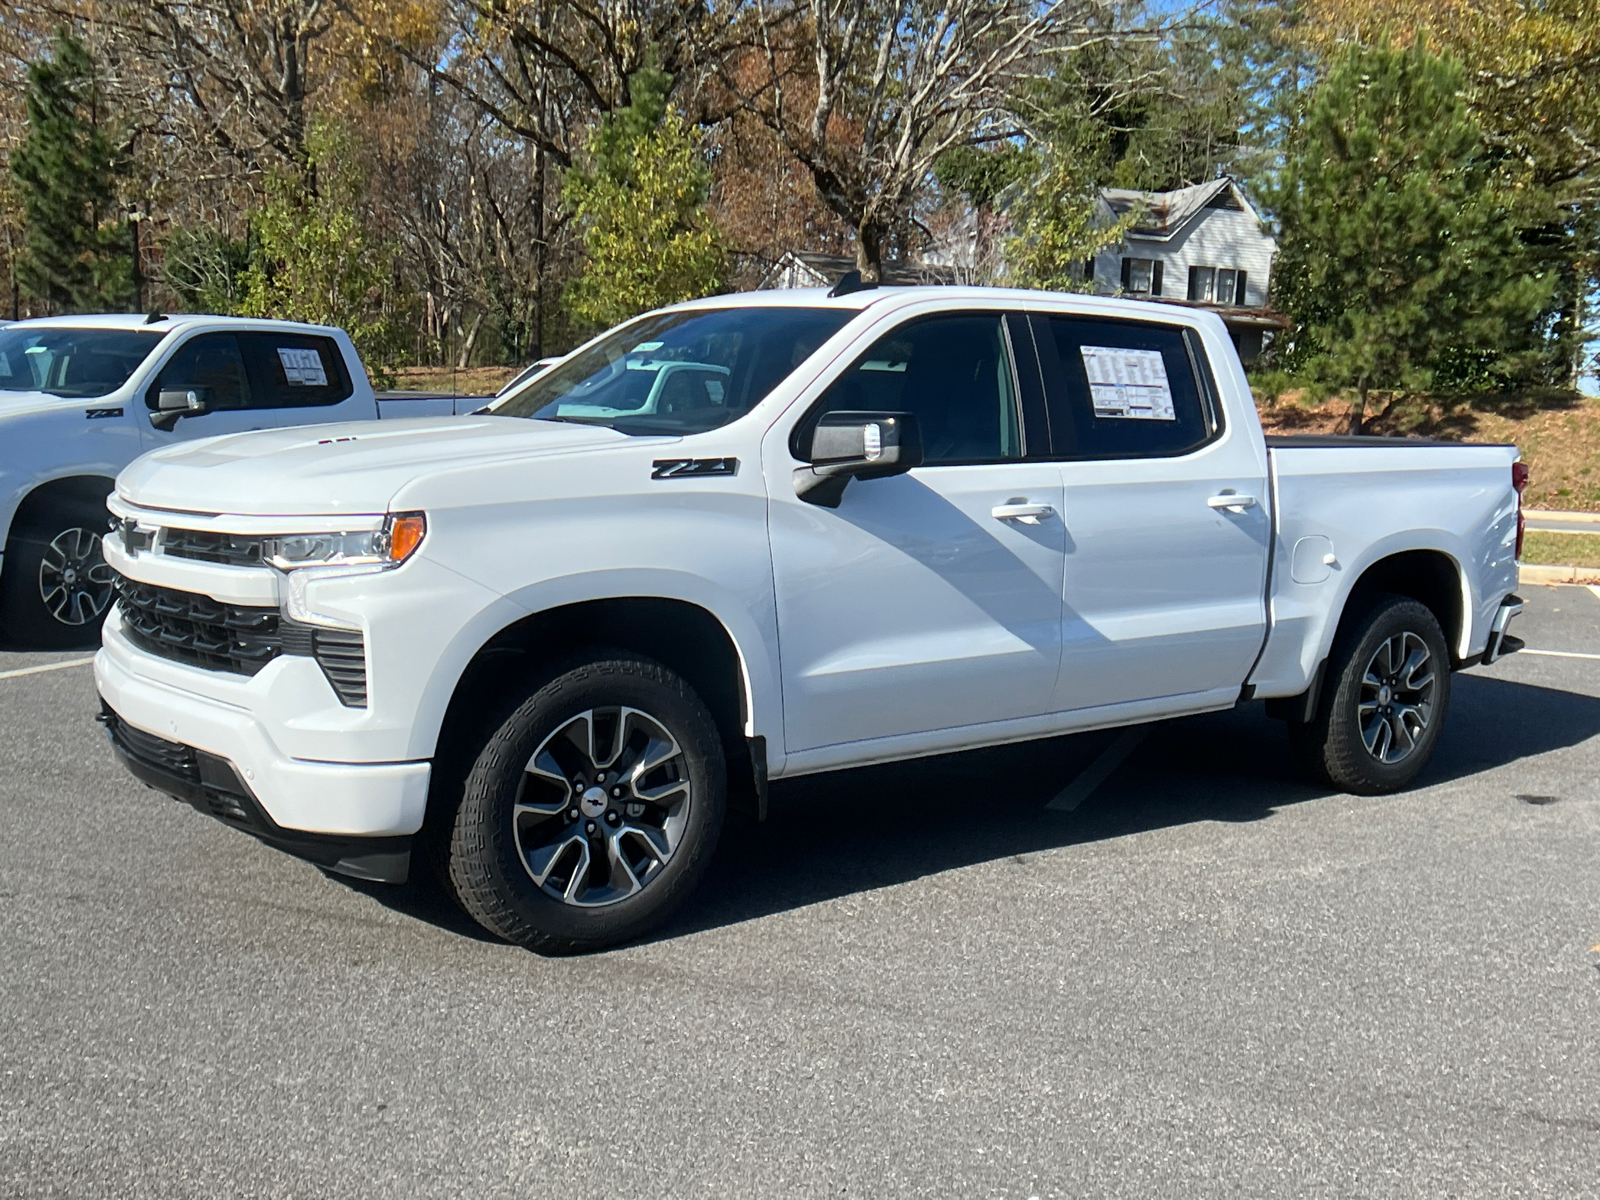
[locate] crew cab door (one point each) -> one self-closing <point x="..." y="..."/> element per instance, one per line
<point x="1165" y="578"/>
<point x="918" y="604"/>
<point x="257" y="379"/>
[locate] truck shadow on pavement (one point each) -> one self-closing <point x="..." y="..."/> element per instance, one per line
<point x="832" y="835"/>
<point x="844" y="832"/>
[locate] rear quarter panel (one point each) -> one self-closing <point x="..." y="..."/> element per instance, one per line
<point x="1370" y="503"/>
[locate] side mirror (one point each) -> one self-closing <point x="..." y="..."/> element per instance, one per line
<point x="180" y="402"/>
<point x="857" y="445"/>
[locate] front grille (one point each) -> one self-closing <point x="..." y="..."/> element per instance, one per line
<point x="197" y="630"/>
<point x="170" y="757"/>
<point x="201" y="632"/>
<point x="229" y="549"/>
<point x="206" y="781"/>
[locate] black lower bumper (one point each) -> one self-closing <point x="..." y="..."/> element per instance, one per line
<point x="212" y="785"/>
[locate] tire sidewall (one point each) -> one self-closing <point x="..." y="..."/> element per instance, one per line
<point x="1349" y="763"/>
<point x="24" y="619"/>
<point x="483" y="845"/>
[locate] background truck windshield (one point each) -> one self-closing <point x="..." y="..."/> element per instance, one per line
<point x="677" y="372"/>
<point x="73" y="363"/>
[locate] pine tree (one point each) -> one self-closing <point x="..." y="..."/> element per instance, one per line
<point x="76" y="255"/>
<point x="641" y="207"/>
<point x="1399" y="249"/>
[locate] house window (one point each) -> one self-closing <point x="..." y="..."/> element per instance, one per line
<point x="1217" y="285"/>
<point x="1141" y="276"/>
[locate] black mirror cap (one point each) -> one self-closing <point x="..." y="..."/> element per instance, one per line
<point x="870" y="442"/>
<point x="857" y="445"/>
<point x="173" y="403"/>
<point x="184" y="401"/>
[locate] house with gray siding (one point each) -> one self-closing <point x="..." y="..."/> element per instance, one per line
<point x="1203" y="245"/>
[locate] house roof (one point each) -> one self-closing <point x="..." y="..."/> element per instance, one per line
<point x="1161" y="215"/>
<point x="826" y="269"/>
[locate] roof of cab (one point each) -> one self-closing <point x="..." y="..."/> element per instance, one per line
<point x="954" y="296"/>
<point x="163" y="324"/>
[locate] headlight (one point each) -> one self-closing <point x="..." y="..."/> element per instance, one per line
<point x="390" y="546"/>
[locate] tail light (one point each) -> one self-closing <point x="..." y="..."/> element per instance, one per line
<point x="1519" y="481"/>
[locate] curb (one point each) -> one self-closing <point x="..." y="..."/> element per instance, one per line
<point x="1551" y="514"/>
<point x="1542" y="574"/>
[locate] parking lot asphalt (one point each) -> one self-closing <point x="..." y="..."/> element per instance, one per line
<point x="1209" y="979"/>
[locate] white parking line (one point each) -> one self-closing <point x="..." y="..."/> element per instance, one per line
<point x="1558" y="653"/>
<point x="56" y="666"/>
<point x="1097" y="772"/>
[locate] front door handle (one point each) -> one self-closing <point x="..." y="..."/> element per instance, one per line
<point x="1232" y="501"/>
<point x="1028" y="514"/>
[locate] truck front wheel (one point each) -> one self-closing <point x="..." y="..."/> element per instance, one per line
<point x="1385" y="701"/>
<point x="593" y="810"/>
<point x="55" y="586"/>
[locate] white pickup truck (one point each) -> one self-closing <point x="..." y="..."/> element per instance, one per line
<point x="82" y="397"/>
<point x="764" y="535"/>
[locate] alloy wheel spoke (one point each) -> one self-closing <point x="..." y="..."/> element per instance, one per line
<point x="543" y="860"/>
<point x="539" y="808"/>
<point x="622" y="875"/>
<point x="1400" y="737"/>
<point x="657" y="844"/>
<point x="658" y="795"/>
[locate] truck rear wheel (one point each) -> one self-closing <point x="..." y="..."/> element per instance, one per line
<point x="1385" y="702"/>
<point x="593" y="810"/>
<point x="55" y="585"/>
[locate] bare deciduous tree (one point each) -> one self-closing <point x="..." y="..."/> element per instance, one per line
<point x="867" y="95"/>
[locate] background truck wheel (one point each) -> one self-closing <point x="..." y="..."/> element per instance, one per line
<point x="1385" y="700"/>
<point x="55" y="587"/>
<point x="593" y="810"/>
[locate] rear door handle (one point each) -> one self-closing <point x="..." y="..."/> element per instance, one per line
<point x="1028" y="514"/>
<point x="1232" y="502"/>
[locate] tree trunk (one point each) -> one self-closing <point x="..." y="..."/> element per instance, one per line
<point x="1359" y="412"/>
<point x="472" y="336"/>
<point x="869" y="253"/>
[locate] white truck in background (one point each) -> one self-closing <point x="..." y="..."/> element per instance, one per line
<point x="765" y="535"/>
<point x="81" y="397"/>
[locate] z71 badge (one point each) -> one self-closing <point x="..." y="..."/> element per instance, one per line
<point x="692" y="468"/>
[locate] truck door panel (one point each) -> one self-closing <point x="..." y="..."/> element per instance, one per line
<point x="913" y="606"/>
<point x="1165" y="580"/>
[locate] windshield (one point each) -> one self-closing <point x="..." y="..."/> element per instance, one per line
<point x="677" y="372"/>
<point x="74" y="363"/>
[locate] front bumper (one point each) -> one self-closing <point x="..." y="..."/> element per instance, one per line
<point x="362" y="800"/>
<point x="213" y="786"/>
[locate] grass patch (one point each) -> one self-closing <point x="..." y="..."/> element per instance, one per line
<point x="474" y="381"/>
<point x="1561" y="549"/>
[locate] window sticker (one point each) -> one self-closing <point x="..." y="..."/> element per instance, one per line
<point x="1128" y="384"/>
<point x="302" y="368"/>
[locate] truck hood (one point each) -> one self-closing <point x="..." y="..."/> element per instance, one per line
<point x="17" y="404"/>
<point x="355" y="467"/>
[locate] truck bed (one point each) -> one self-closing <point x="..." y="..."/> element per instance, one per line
<point x="1341" y="503"/>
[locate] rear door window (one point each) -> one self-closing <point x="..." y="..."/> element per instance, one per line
<point x="293" y="370"/>
<point x="1124" y="389"/>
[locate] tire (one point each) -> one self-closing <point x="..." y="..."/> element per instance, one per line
<point x="649" y="795"/>
<point x="55" y="586"/>
<point x="1385" y="702"/>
